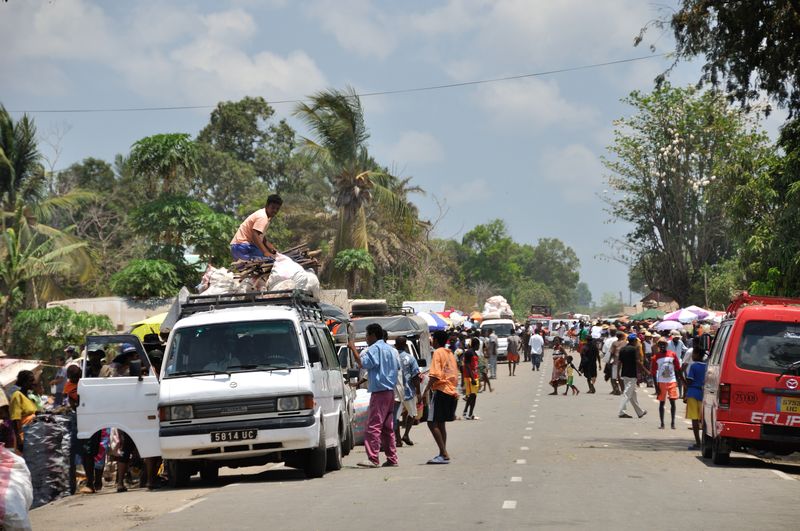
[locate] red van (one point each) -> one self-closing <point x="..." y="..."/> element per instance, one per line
<point x="751" y="398"/>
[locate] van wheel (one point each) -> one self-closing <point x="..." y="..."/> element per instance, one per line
<point x="705" y="442"/>
<point x="334" y="457"/>
<point x="316" y="458"/>
<point x="718" y="455"/>
<point x="209" y="472"/>
<point x="350" y="441"/>
<point x="346" y="441"/>
<point x="179" y="473"/>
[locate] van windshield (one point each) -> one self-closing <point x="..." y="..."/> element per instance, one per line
<point x="233" y="347"/>
<point x="769" y="346"/>
<point x="501" y="329"/>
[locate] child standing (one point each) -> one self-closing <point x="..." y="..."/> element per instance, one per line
<point x="570" y="377"/>
<point x="696" y="378"/>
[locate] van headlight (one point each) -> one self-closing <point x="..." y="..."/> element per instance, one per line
<point x="182" y="412"/>
<point x="289" y="403"/>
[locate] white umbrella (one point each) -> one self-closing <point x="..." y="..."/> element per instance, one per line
<point x="701" y="313"/>
<point x="684" y="316"/>
<point x="668" y="325"/>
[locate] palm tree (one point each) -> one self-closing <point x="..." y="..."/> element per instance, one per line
<point x="25" y="256"/>
<point x="20" y="166"/>
<point x="336" y="119"/>
<point x="353" y="262"/>
<point x="167" y="159"/>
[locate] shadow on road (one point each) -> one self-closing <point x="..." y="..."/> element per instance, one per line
<point x="637" y="444"/>
<point x="748" y="461"/>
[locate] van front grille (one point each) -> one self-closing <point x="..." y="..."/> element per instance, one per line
<point x="231" y="408"/>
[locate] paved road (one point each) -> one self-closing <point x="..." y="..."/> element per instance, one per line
<point x="531" y="460"/>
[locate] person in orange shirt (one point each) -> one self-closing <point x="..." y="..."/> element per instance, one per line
<point x="442" y="403"/>
<point x="249" y="242"/>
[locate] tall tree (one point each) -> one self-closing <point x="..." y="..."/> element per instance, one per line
<point x="21" y="171"/>
<point x="336" y="120"/>
<point x="676" y="162"/>
<point x="167" y="162"/>
<point x="752" y="46"/>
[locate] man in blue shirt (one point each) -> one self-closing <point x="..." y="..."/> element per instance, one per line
<point x="382" y="367"/>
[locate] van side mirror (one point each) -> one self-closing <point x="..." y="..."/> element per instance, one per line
<point x="422" y="363"/>
<point x="314" y="355"/>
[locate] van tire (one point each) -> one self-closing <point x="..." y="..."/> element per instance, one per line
<point x="705" y="442"/>
<point x="718" y="455"/>
<point x="334" y="457"/>
<point x="349" y="440"/>
<point x="209" y="472"/>
<point x="316" y="458"/>
<point x="179" y="473"/>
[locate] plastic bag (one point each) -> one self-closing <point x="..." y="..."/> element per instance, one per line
<point x="47" y="450"/>
<point x="284" y="269"/>
<point x="16" y="491"/>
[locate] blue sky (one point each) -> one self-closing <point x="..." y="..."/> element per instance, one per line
<point x="527" y="151"/>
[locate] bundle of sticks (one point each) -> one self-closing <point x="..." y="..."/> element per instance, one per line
<point x="261" y="269"/>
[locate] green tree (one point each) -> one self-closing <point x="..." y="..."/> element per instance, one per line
<point x="487" y="256"/>
<point x="676" y="162"/>
<point x="583" y="296"/>
<point x="336" y="119"/>
<point x="146" y="278"/>
<point x="555" y="265"/>
<point x="167" y="162"/>
<point x="21" y="171"/>
<point x="610" y="304"/>
<point x="44" y="332"/>
<point x="528" y="292"/>
<point x="750" y="45"/>
<point x="354" y="262"/>
<point x="89" y="174"/>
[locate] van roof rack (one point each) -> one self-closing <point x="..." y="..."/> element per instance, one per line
<point x="745" y="299"/>
<point x="302" y="301"/>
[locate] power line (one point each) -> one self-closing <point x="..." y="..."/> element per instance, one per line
<point x="364" y="94"/>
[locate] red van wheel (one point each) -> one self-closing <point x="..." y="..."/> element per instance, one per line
<point x="720" y="454"/>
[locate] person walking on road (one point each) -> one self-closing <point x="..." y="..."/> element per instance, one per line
<point x="491" y="353"/>
<point x="666" y="370"/>
<point x="537" y="349"/>
<point x="559" y="376"/>
<point x="616" y="388"/>
<point x="443" y="395"/>
<point x="471" y="378"/>
<point x="512" y="353"/>
<point x="382" y="367"/>
<point x="411" y="390"/>
<point x="629" y="362"/>
<point x="590" y="363"/>
<point x="571" y="377"/>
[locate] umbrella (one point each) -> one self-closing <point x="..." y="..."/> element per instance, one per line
<point x="668" y="325"/>
<point x="435" y="322"/>
<point x="457" y="318"/>
<point x="647" y="314"/>
<point x="683" y="315"/>
<point x="698" y="311"/>
<point x="151" y="325"/>
<point x="476" y="316"/>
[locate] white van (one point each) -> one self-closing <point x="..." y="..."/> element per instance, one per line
<point x="246" y="379"/>
<point x="502" y="328"/>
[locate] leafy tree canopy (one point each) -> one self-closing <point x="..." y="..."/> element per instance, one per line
<point x="45" y="332"/>
<point x="146" y="278"/>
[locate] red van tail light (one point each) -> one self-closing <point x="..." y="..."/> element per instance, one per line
<point x="724" y="395"/>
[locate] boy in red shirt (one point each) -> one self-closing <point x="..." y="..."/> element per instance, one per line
<point x="665" y="369"/>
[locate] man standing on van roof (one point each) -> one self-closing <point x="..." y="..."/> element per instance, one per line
<point x="382" y="366"/>
<point x="249" y="242"/>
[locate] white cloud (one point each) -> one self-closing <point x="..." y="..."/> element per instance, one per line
<point x="574" y="171"/>
<point x="466" y="192"/>
<point x="535" y="103"/>
<point x="416" y="147"/>
<point x="357" y="25"/>
<point x="166" y="54"/>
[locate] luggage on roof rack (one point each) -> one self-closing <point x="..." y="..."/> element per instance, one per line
<point x="302" y="301"/>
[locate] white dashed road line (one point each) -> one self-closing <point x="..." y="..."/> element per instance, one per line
<point x="524" y="448"/>
<point x="516" y="479"/>
<point x="522" y="461"/>
<point x="526" y="437"/>
<point x="187" y="505"/>
<point x="510" y="504"/>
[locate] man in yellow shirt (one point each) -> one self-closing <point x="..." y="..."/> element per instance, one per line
<point x="249" y="241"/>
<point x="443" y="381"/>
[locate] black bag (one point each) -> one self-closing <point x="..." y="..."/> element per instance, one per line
<point x="607" y="372"/>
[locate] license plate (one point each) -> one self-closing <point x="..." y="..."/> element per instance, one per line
<point x="788" y="405"/>
<point x="233" y="435"/>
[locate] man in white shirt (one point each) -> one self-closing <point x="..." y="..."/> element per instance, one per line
<point x="537" y="349"/>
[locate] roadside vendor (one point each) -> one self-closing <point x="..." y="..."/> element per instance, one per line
<point x="249" y="242"/>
